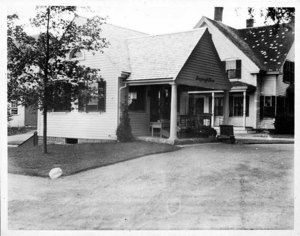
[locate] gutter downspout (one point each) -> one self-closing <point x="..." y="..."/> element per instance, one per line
<point x="119" y="105"/>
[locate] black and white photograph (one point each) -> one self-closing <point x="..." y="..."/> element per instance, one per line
<point x="148" y="116"/>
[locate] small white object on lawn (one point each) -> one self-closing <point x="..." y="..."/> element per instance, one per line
<point x="55" y="173"/>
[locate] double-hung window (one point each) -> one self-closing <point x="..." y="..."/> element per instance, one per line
<point x="137" y="98"/>
<point x="267" y="106"/>
<point x="236" y="105"/>
<point x="233" y="68"/>
<point x="13" y="108"/>
<point x="92" y="98"/>
<point x="218" y="106"/>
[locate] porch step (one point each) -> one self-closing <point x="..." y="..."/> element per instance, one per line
<point x="239" y="130"/>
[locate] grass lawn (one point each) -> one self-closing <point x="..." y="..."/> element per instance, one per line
<point x="78" y="157"/>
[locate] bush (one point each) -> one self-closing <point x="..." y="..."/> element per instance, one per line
<point x="206" y="131"/>
<point x="284" y="124"/>
<point x="124" y="129"/>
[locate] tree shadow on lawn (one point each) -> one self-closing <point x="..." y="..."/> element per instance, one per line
<point x="78" y="157"/>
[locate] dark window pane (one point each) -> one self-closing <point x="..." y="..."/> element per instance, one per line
<point x="136" y="98"/>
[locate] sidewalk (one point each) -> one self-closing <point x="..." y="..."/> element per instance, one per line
<point x="16" y="140"/>
<point x="264" y="138"/>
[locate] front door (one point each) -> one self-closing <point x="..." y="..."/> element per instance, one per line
<point x="199" y="105"/>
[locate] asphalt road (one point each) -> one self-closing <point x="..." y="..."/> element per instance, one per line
<point x="208" y="186"/>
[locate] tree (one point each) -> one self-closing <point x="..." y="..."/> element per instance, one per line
<point x="123" y="132"/>
<point x="39" y="66"/>
<point x="275" y="15"/>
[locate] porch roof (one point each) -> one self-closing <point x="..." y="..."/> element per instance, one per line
<point x="238" y="85"/>
<point x="161" y="56"/>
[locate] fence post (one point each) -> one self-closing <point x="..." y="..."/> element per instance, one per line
<point x="35" y="138"/>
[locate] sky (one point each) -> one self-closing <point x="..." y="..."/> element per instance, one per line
<point x="151" y="16"/>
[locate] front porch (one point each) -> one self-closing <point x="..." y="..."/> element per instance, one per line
<point x="175" y="111"/>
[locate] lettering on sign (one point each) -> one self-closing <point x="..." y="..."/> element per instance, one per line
<point x="205" y="80"/>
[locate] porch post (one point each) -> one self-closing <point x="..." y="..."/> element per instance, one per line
<point x="226" y="108"/>
<point x="173" y="123"/>
<point x="212" y="109"/>
<point x="244" y="109"/>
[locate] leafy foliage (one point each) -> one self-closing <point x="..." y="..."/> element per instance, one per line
<point x="276" y="15"/>
<point x="284" y="124"/>
<point x="39" y="64"/>
<point x="28" y="63"/>
<point x="124" y="129"/>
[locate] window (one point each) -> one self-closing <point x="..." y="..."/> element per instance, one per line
<point x="233" y="68"/>
<point x="92" y="99"/>
<point x="289" y="72"/>
<point x="76" y="54"/>
<point x="267" y="107"/>
<point x="13" y="108"/>
<point x="218" y="106"/>
<point x="236" y="103"/>
<point x="136" y="98"/>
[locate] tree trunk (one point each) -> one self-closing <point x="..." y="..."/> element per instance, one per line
<point x="45" y="100"/>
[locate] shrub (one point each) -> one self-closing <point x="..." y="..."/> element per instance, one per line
<point x="206" y="131"/>
<point x="284" y="124"/>
<point x="124" y="129"/>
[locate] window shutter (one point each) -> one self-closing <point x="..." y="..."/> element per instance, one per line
<point x="273" y="106"/>
<point x="102" y="96"/>
<point x="286" y="72"/>
<point x="292" y="72"/>
<point x="280" y="105"/>
<point x="238" y="69"/>
<point x="81" y="97"/>
<point x="261" y="112"/>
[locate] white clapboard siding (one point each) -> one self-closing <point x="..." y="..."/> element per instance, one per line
<point x="268" y="86"/>
<point x="92" y="125"/>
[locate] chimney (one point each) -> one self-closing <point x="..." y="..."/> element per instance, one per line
<point x="218" y="14"/>
<point x="249" y="23"/>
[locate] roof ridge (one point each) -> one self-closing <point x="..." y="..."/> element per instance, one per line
<point x="146" y="34"/>
<point x="164" y="34"/>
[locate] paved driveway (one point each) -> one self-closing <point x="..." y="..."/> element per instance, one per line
<point x="209" y="186"/>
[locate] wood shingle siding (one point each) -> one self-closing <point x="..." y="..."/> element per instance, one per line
<point x="204" y="63"/>
<point x="139" y="122"/>
<point x="269" y="85"/>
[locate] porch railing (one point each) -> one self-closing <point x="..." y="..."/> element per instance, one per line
<point x="194" y="121"/>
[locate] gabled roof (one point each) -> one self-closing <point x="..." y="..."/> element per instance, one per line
<point x="161" y="56"/>
<point x="271" y="44"/>
<point x="117" y="50"/>
<point x="266" y="46"/>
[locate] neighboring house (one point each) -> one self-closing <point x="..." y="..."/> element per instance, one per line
<point x="157" y="72"/>
<point x="259" y="61"/>
<point x="21" y="116"/>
